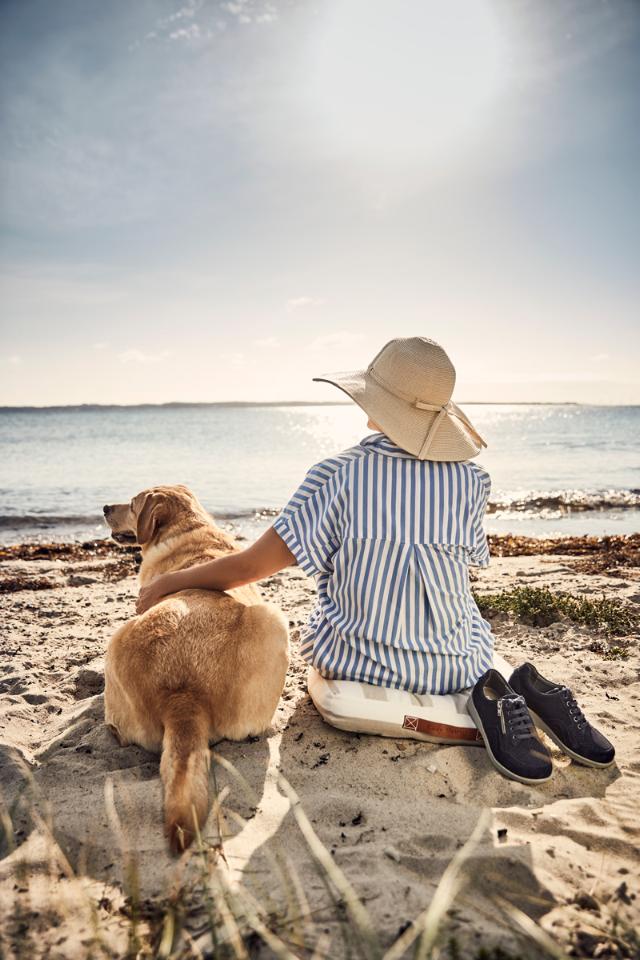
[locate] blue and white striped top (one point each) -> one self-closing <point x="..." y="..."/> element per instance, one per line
<point x="389" y="538"/>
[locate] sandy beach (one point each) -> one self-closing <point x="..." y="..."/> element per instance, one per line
<point x="362" y="279"/>
<point x="85" y="871"/>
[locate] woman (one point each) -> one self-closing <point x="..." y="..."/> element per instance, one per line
<point x="388" y="530"/>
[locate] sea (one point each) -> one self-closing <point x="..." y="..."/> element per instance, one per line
<point x="557" y="469"/>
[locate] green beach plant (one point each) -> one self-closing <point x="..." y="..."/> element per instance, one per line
<point x="540" y="606"/>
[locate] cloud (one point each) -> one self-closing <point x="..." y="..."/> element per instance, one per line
<point x="141" y="358"/>
<point x="101" y="345"/>
<point x="186" y="33"/>
<point x="14" y="360"/>
<point x="266" y="343"/>
<point x="185" y="12"/>
<point x="213" y="19"/>
<point x="299" y="303"/>
<point x="169" y="27"/>
<point x="339" y="340"/>
<point x="251" y="11"/>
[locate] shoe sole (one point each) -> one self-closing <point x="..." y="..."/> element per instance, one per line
<point x="570" y="753"/>
<point x="503" y="770"/>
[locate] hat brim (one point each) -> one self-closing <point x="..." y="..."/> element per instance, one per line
<point x="404" y="423"/>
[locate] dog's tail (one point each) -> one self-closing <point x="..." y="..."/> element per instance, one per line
<point x="184" y="768"/>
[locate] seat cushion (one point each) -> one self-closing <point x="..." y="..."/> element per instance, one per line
<point x="366" y="708"/>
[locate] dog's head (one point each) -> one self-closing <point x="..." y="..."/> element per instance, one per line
<point x="153" y="514"/>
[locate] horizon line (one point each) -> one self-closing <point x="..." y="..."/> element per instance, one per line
<point x="282" y="403"/>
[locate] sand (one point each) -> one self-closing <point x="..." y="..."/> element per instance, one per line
<point x="85" y="863"/>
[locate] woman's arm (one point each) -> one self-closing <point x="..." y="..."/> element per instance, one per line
<point x="266" y="556"/>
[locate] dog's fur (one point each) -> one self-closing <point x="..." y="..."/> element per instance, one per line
<point x="199" y="665"/>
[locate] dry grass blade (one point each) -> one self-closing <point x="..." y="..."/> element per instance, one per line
<point x="242" y="906"/>
<point x="130" y="864"/>
<point x="322" y="947"/>
<point x="206" y="873"/>
<point x="427" y="924"/>
<point x="218" y="797"/>
<point x="297" y="903"/>
<point x="358" y="913"/>
<point x="168" y="932"/>
<point x="28" y="790"/>
<point x="531" y="929"/>
<point x="57" y="861"/>
<point x="112" y="815"/>
<point x="7" y="829"/>
<point x="295" y="910"/>
<point x="192" y="945"/>
<point x="62" y="862"/>
<point x="233" y="932"/>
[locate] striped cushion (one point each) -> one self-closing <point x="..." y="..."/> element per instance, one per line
<point x="365" y="708"/>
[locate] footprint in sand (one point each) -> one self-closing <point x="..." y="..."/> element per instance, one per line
<point x="88" y="683"/>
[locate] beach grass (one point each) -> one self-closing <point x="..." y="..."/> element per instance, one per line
<point x="235" y="923"/>
<point x="540" y="607"/>
<point x="210" y="914"/>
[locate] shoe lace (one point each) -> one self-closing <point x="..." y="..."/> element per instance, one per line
<point x="517" y="717"/>
<point x="575" y="712"/>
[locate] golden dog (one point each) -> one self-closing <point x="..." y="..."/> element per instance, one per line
<point x="199" y="665"/>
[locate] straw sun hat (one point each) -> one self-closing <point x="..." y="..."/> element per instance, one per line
<point x="406" y="390"/>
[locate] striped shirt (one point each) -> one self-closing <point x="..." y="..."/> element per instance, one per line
<point x="389" y="539"/>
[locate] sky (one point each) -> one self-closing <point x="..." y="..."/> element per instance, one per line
<point x="215" y="201"/>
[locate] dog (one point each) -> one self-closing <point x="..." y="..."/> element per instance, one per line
<point x="200" y="665"/>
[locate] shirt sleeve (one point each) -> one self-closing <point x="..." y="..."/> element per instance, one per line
<point x="311" y="522"/>
<point x="479" y="554"/>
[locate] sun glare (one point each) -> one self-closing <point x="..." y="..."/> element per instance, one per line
<point x="405" y="82"/>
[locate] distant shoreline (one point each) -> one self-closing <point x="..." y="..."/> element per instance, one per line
<point x="179" y="404"/>
<point x="176" y="404"/>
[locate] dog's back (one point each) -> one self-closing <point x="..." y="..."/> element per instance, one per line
<point x="199" y="665"/>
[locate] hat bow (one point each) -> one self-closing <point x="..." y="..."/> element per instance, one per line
<point x="442" y="410"/>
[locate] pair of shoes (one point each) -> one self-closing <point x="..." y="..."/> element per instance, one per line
<point x="507" y="714"/>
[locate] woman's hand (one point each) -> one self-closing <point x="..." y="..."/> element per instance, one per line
<point x="153" y="592"/>
<point x="266" y="556"/>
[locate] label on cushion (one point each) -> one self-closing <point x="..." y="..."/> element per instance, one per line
<point x="444" y="730"/>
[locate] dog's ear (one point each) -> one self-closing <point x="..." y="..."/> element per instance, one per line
<point x="149" y="517"/>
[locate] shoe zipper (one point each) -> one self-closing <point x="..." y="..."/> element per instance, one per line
<point x="501" y="715"/>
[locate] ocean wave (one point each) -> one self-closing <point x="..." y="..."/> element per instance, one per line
<point x="262" y="513"/>
<point x="567" y="501"/>
<point x="41" y="521"/>
<point x="535" y="502"/>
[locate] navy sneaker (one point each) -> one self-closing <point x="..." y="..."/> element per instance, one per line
<point x="509" y="735"/>
<point x="555" y="710"/>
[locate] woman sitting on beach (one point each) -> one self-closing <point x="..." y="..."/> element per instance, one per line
<point x="388" y="529"/>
